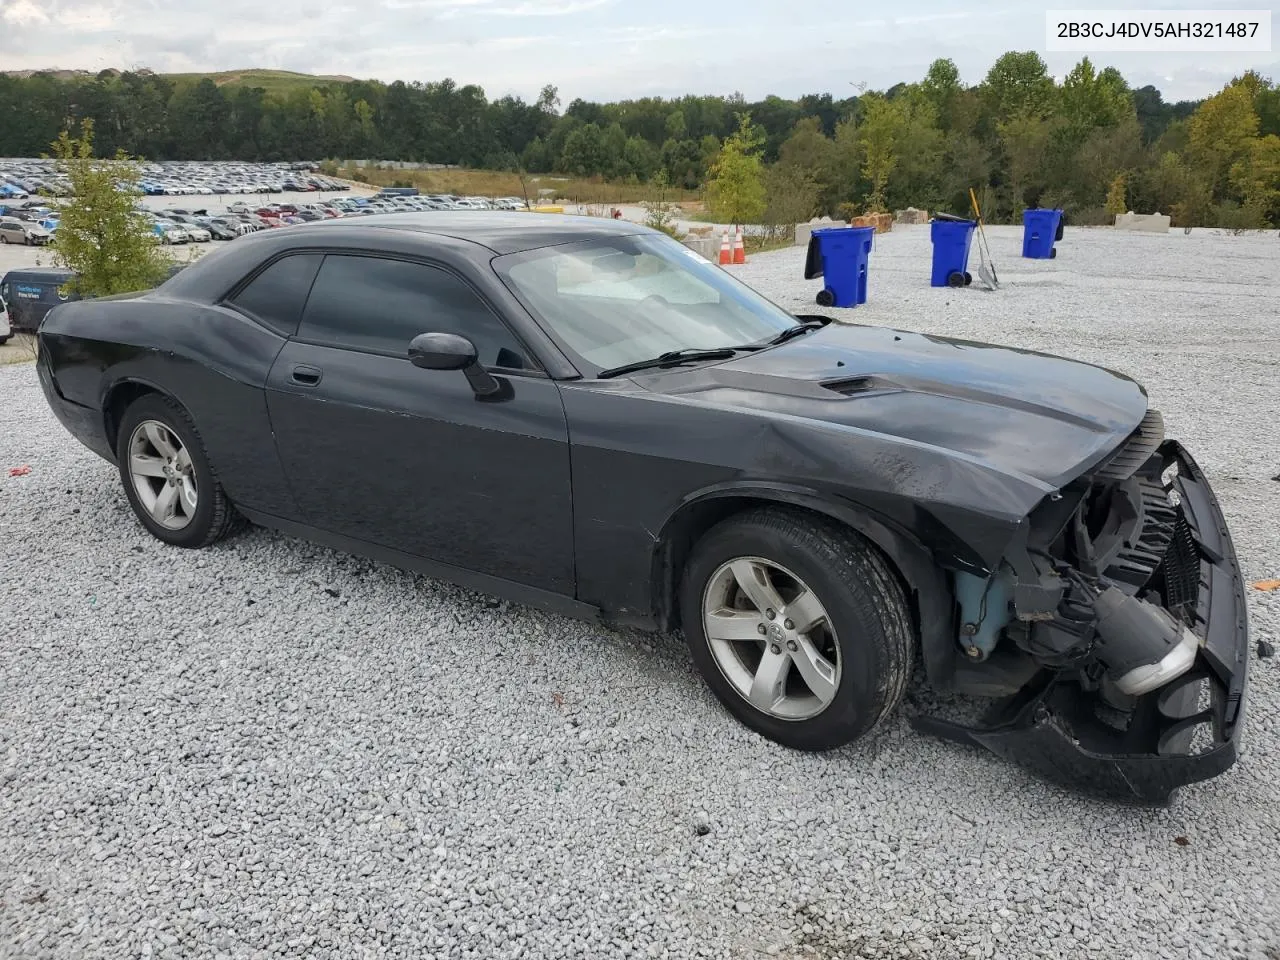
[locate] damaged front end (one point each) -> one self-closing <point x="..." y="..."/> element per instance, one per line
<point x="1117" y="624"/>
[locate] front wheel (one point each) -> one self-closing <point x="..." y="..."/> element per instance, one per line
<point x="798" y="625"/>
<point x="167" y="477"/>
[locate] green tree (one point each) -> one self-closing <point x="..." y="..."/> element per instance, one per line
<point x="878" y="136"/>
<point x="1256" y="178"/>
<point x="942" y="87"/>
<point x="584" y="151"/>
<point x="791" y="197"/>
<point x="1090" y="99"/>
<point x="735" y="192"/>
<point x="1220" y="133"/>
<point x="920" y="146"/>
<point x="660" y="212"/>
<point x="1115" y="204"/>
<point x="811" y="153"/>
<point x="1018" y="84"/>
<point x="102" y="237"/>
<point x="1024" y="140"/>
<point x="639" y="158"/>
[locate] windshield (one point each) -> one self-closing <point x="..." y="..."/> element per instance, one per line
<point x="619" y="300"/>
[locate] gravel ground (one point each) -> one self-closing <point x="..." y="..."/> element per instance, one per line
<point x="269" y="749"/>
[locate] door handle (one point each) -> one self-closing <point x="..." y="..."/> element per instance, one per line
<point x="307" y="376"/>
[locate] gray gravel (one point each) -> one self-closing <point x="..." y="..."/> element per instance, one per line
<point x="270" y="749"/>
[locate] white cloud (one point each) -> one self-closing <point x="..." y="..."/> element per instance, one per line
<point x="23" y="12"/>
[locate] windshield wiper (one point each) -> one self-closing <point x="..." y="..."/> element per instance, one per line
<point x="670" y="359"/>
<point x="799" y="329"/>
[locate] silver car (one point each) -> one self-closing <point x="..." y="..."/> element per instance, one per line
<point x="13" y="230"/>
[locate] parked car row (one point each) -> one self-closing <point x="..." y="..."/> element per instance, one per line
<point x="180" y="225"/>
<point x="23" y="177"/>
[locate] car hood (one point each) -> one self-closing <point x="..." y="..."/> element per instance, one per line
<point x="1022" y="413"/>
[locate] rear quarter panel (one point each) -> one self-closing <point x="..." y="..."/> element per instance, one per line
<point x="210" y="359"/>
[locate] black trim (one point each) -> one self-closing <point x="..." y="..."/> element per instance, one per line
<point x="468" y="579"/>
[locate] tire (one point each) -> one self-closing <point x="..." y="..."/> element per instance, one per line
<point x="4" y="339"/>
<point x="212" y="516"/>
<point x="4" y="238"/>
<point x="867" y="638"/>
<point x="826" y="297"/>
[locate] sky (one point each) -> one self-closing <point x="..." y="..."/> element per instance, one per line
<point x="594" y="49"/>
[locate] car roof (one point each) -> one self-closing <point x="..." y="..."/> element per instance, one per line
<point x="501" y="232"/>
<point x="410" y="234"/>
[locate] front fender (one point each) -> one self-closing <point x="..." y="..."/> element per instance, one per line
<point x="923" y="576"/>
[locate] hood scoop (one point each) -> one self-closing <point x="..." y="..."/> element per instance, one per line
<point x="850" y="386"/>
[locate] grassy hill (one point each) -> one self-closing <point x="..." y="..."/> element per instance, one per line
<point x="273" y="81"/>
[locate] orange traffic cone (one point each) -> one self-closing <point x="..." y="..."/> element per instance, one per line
<point x="726" y="256"/>
<point x="739" y="248"/>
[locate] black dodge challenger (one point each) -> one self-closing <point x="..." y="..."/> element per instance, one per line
<point x="587" y="416"/>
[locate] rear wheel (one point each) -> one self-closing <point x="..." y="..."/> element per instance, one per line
<point x="799" y="627"/>
<point x="955" y="279"/>
<point x="167" y="477"/>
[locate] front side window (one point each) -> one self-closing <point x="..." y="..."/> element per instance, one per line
<point x="379" y="305"/>
<point x="619" y="300"/>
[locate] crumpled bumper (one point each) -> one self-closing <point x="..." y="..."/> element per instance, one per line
<point x="1185" y="732"/>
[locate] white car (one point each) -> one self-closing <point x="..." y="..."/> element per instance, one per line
<point x="5" y="330"/>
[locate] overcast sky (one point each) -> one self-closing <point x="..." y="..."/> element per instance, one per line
<point x="596" y="49"/>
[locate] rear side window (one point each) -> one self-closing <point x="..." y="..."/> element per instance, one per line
<point x="276" y="296"/>
<point x="379" y="305"/>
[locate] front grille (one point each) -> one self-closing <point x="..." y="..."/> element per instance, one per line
<point x="1180" y="570"/>
<point x="1135" y="451"/>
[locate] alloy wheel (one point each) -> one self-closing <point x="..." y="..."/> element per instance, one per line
<point x="772" y="638"/>
<point x="162" y="474"/>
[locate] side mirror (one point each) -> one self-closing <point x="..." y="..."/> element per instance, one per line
<point x="441" y="351"/>
<point x="449" y="351"/>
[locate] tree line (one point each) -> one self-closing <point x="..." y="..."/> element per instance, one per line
<point x="1089" y="144"/>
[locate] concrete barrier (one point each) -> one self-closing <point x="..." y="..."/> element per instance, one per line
<point x="803" y="230"/>
<point x="1143" y="222"/>
<point x="709" y="247"/>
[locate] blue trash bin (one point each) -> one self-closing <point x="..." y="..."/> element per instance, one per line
<point x="1040" y="230"/>
<point x="839" y="255"/>
<point x="951" y="242"/>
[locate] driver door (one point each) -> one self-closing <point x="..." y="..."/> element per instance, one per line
<point x="387" y="453"/>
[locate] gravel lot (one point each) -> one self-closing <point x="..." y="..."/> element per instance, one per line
<point x="269" y="749"/>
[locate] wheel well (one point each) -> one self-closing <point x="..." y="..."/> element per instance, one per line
<point x="118" y="400"/>
<point x="690" y="524"/>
